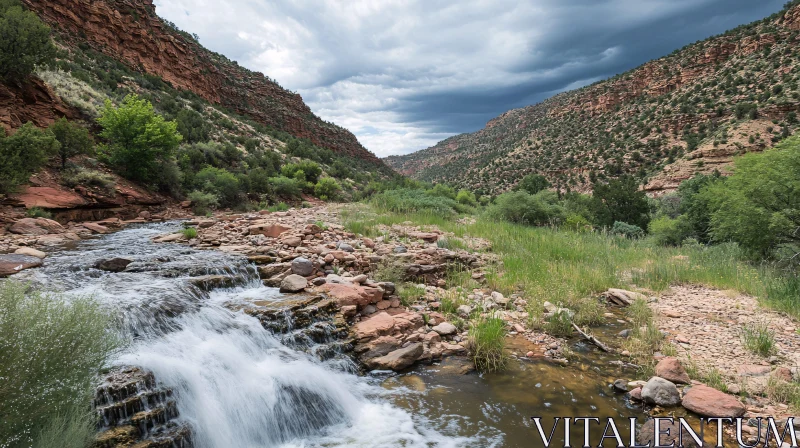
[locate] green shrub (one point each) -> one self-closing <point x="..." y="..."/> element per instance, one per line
<point x="203" y="203"/>
<point x="520" y="207"/>
<point x="219" y="182"/>
<point x="533" y="183"/>
<point x="305" y="170"/>
<point x="576" y="222"/>
<point x="24" y="42"/>
<point x="758" y="338"/>
<point x="279" y="207"/>
<point x="38" y="212"/>
<point x="92" y="178"/>
<point x="73" y="139"/>
<point x="487" y="340"/>
<point x="412" y="200"/>
<point x="443" y="191"/>
<point x="667" y="231"/>
<point x="189" y="233"/>
<point x="620" y="200"/>
<point x="192" y="126"/>
<point x="327" y="189"/>
<point x="23" y="154"/>
<point x="284" y="187"/>
<point x="51" y="351"/>
<point x="466" y="197"/>
<point x="140" y="141"/>
<point x="627" y="230"/>
<point x="559" y="324"/>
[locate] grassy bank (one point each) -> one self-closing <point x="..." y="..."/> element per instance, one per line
<point x="571" y="267"/>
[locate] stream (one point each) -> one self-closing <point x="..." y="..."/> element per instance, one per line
<point x="238" y="385"/>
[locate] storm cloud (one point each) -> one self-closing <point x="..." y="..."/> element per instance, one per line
<point x="405" y="74"/>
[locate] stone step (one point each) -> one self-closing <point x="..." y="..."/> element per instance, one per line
<point x="125" y="409"/>
<point x="123" y="384"/>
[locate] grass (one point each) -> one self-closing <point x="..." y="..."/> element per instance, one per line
<point x="487" y="344"/>
<point x="758" y="338"/>
<point x="189" y="233"/>
<point x="321" y="225"/>
<point x="710" y="376"/>
<point x="38" y="212"/>
<point x="51" y="350"/>
<point x="410" y="293"/>
<point x="784" y="392"/>
<point x="279" y="207"/>
<point x="389" y="270"/>
<point x="560" y="324"/>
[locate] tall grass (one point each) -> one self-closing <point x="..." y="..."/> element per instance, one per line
<point x="758" y="338"/>
<point x="487" y="344"/>
<point x="51" y="350"/>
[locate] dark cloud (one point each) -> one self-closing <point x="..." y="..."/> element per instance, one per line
<point x="404" y="74"/>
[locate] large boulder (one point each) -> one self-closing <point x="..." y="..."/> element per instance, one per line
<point x="50" y="197"/>
<point x="302" y="266"/>
<point x="30" y="251"/>
<point x="36" y="226"/>
<point x="349" y="294"/>
<point x="672" y="370"/>
<point x="378" y="325"/>
<point x="710" y="402"/>
<point x="398" y="359"/>
<point x="113" y="264"/>
<point x="11" y="264"/>
<point x="293" y="283"/>
<point x="661" y="392"/>
<point x="445" y="329"/>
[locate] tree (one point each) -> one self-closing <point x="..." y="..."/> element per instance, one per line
<point x="24" y="42"/>
<point x="74" y="140"/>
<point x="533" y="183"/>
<point x="23" y="154"/>
<point x="466" y="197"/>
<point x="192" y="126"/>
<point x="219" y="182"/>
<point x="759" y="205"/>
<point x="327" y="189"/>
<point x="140" y="141"/>
<point x="620" y="200"/>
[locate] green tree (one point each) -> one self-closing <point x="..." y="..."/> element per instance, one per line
<point x="327" y="189"/>
<point x="533" y="183"/>
<point x="759" y="205"/>
<point x="74" y="140"/>
<point x="520" y="207"/>
<point x="695" y="208"/>
<point x="466" y="197"/>
<point x="192" y="126"/>
<point x="310" y="171"/>
<point x="24" y="42"/>
<point x="620" y="200"/>
<point x="23" y="154"/>
<point x="219" y="182"/>
<point x="140" y="141"/>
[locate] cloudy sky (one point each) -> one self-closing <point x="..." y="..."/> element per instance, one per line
<point x="405" y="74"/>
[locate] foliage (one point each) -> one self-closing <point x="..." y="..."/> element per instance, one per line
<point x="74" y="140"/>
<point x="620" y="200"/>
<point x="759" y="205"/>
<point x="627" y="230"/>
<point x="520" y="207"/>
<point x="327" y="189"/>
<point x="443" y="191"/>
<point x="219" y="182"/>
<point x="38" y="212"/>
<point x="24" y="42"/>
<point x="412" y="200"/>
<point x="466" y="197"/>
<point x="279" y="207"/>
<point x="758" y="338"/>
<point x="310" y="171"/>
<point x="60" y="345"/>
<point x="559" y="324"/>
<point x="533" y="183"/>
<point x="23" y="154"/>
<point x="92" y="178"/>
<point x="140" y="141"/>
<point x="284" y="187"/>
<point x="202" y="202"/>
<point x="668" y="231"/>
<point x="189" y="233"/>
<point x="487" y="339"/>
<point x="192" y="126"/>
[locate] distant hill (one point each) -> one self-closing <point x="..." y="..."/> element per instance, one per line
<point x="665" y="121"/>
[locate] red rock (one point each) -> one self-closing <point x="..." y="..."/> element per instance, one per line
<point x="50" y="197"/>
<point x="270" y="230"/>
<point x="636" y="394"/>
<point x="782" y="373"/>
<point x="671" y="369"/>
<point x="36" y="226"/>
<point x="96" y="228"/>
<point x="710" y="402"/>
<point x="11" y="264"/>
<point x="380" y="324"/>
<point x="429" y="237"/>
<point x="369" y="243"/>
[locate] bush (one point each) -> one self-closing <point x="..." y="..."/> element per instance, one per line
<point x="327" y="189"/>
<point x="466" y="197"/>
<point x="23" y="154"/>
<point x="24" y="42"/>
<point x="51" y="351"/>
<point x="667" y="231"/>
<point x="74" y="140"/>
<point x="38" y="212"/>
<point x="442" y="191"/>
<point x="203" y="203"/>
<point x="189" y="233"/>
<point x="411" y="201"/>
<point x="192" y="126"/>
<point x="92" y="178"/>
<point x="140" y="141"/>
<point x="522" y="208"/>
<point x="627" y="230"/>
<point x="576" y="222"/>
<point x="695" y="207"/>
<point x="620" y="200"/>
<point x="310" y="171"/>
<point x="533" y="183"/>
<point x="219" y="182"/>
<point x="284" y="187"/>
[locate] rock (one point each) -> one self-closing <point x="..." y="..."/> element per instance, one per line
<point x="31" y="252"/>
<point x="378" y="325"/>
<point x="622" y="297"/>
<point x="445" y="328"/>
<point x="345" y="247"/>
<point x="293" y="283"/>
<point x="428" y="237"/>
<point x="96" y="228"/>
<point x="273" y="269"/>
<point x="369" y="243"/>
<point x="661" y="392"/>
<point x="350" y="294"/>
<point x="400" y="250"/>
<point x="398" y="359"/>
<point x="672" y="370"/>
<point x="624" y="333"/>
<point x="362" y="278"/>
<point x="636" y="394"/>
<point x="620" y="385"/>
<point x="783" y="374"/>
<point x="349" y="310"/>
<point x="499" y="299"/>
<point x="50" y="198"/>
<point x="388" y="287"/>
<point x="292" y="241"/>
<point x="113" y="264"/>
<point x="634" y="384"/>
<point x="302" y="266"/>
<point x="169" y="238"/>
<point x="270" y="230"/>
<point x="319" y="281"/>
<point x="11" y="264"/>
<point x="464" y="311"/>
<point x="710" y="402"/>
<point x="36" y="226"/>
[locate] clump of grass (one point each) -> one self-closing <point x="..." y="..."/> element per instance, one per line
<point x="713" y="378"/>
<point x="89" y="177"/>
<point x="389" y="270"/>
<point x="559" y="324"/>
<point x="189" y="233"/>
<point x="487" y="344"/>
<point x="460" y="277"/>
<point x="784" y="392"/>
<point x="758" y="338"/>
<point x="410" y="293"/>
<point x="38" y="212"/>
<point x="51" y="350"/>
<point x="639" y="313"/>
<point x="279" y="207"/>
<point x="645" y="337"/>
<point x="451" y="243"/>
<point x="321" y="225"/>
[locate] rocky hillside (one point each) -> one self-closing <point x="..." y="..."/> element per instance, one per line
<point x="689" y="112"/>
<point x="130" y="31"/>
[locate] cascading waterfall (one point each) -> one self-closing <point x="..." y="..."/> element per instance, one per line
<point x="234" y="382"/>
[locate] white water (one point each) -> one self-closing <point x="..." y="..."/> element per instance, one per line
<point x="234" y="382"/>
